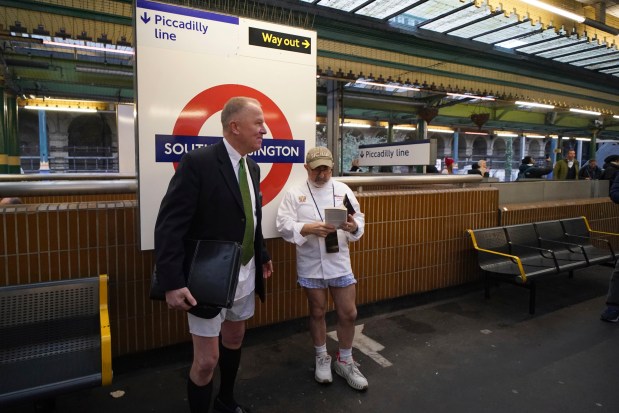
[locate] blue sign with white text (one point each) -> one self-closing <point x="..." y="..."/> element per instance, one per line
<point x="171" y="148"/>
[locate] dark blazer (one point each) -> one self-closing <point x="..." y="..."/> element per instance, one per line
<point x="203" y="201"/>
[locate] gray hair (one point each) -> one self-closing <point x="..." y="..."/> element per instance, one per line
<point x="234" y="106"/>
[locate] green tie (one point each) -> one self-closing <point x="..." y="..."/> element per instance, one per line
<point x="248" y="237"/>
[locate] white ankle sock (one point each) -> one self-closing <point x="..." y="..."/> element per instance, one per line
<point x="320" y="350"/>
<point x="345" y="353"/>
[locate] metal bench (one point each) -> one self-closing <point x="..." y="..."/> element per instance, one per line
<point x="54" y="338"/>
<point x="520" y="254"/>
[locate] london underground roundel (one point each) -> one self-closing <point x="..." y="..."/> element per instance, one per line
<point x="212" y="100"/>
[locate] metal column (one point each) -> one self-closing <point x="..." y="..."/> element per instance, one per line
<point x="334" y="140"/>
<point x="43" y="152"/>
<point x="509" y="143"/>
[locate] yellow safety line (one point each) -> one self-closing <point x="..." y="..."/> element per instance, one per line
<point x="106" y="336"/>
<point x="522" y="273"/>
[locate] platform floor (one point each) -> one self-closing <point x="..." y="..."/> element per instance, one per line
<point x="445" y="351"/>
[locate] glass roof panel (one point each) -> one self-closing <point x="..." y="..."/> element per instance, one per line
<point x="601" y="59"/>
<point x="457" y="19"/>
<point x="552" y="40"/>
<point x="345" y="5"/>
<point x="599" y="66"/>
<point x="532" y="37"/>
<point x="382" y="8"/>
<point x="592" y="56"/>
<point x="524" y="29"/>
<point x="424" y="11"/>
<point x="493" y="23"/>
<point x="475" y="23"/>
<point x="573" y="45"/>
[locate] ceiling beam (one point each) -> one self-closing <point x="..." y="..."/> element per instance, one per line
<point x="68" y="11"/>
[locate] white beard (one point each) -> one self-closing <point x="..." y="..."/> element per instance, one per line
<point x="318" y="185"/>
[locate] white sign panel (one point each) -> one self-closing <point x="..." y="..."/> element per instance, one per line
<point x="189" y="63"/>
<point x="392" y="154"/>
<point x="126" y="139"/>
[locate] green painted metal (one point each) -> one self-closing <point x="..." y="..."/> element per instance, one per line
<point x="436" y="72"/>
<point x="67" y="11"/>
<point x="11" y="135"/>
<point x="463" y="52"/>
<point x="4" y="157"/>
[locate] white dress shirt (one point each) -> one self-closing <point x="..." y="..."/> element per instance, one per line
<point x="247" y="281"/>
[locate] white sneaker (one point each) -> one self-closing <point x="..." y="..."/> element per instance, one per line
<point x="323" y="369"/>
<point x="350" y="371"/>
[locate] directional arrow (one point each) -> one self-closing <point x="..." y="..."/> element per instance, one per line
<point x="145" y="18"/>
<point x="306" y="43"/>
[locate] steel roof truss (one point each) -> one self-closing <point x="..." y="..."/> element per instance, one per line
<point x="362" y="5"/>
<point x="447" y="14"/>
<point x="493" y="31"/>
<point x="568" y="49"/>
<point x="603" y="66"/>
<point x="404" y="10"/>
<point x="472" y="22"/>
<point x="537" y="43"/>
<point x="594" y="60"/>
<point x="595" y="56"/>
<point x="519" y="36"/>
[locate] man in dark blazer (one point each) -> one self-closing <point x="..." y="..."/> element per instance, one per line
<point x="204" y="201"/>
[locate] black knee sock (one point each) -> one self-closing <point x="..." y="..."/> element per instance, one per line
<point x="229" y="361"/>
<point x="199" y="397"/>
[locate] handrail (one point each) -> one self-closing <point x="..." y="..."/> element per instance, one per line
<point x="410" y="179"/>
<point x="73" y="184"/>
<point x="63" y="177"/>
<point x="19" y="189"/>
<point x="106" y="334"/>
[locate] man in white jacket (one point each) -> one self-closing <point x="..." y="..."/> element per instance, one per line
<point x="323" y="260"/>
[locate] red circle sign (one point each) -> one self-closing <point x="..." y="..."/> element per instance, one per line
<point x="212" y="100"/>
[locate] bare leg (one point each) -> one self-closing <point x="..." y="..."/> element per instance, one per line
<point x="317" y="300"/>
<point x="344" y="299"/>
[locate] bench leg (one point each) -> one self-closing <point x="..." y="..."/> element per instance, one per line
<point x="532" y="298"/>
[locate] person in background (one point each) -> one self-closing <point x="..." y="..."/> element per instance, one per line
<point x="10" y="201"/>
<point x="479" y="168"/>
<point x="611" y="313"/>
<point x="355" y="166"/>
<point x="590" y="170"/>
<point x="483" y="168"/>
<point x="528" y="169"/>
<point x="215" y="195"/>
<point x="566" y="168"/>
<point x="449" y="165"/>
<point x="611" y="167"/>
<point x="431" y="169"/>
<point x="323" y="261"/>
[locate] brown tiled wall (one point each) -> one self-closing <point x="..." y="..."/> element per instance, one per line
<point x="415" y="241"/>
<point x="48" y="199"/>
<point x="602" y="213"/>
